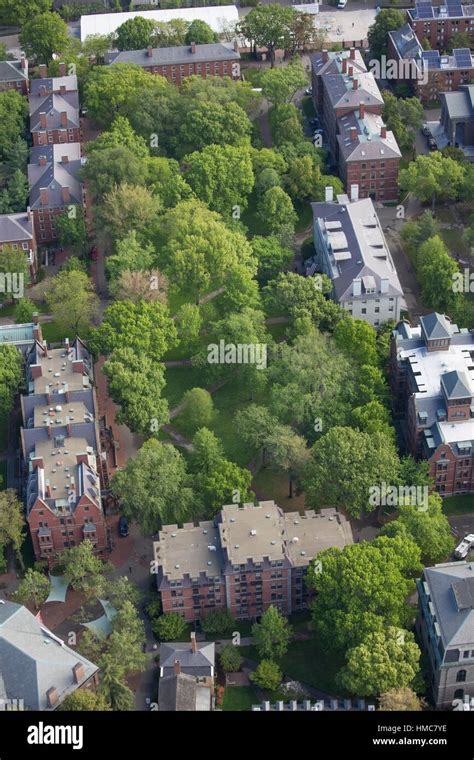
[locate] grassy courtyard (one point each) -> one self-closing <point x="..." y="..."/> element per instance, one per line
<point x="458" y="505"/>
<point x="239" y="698"/>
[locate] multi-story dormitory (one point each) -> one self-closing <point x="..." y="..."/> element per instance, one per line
<point x="247" y="559"/>
<point x="349" y="103"/>
<point x="61" y="450"/>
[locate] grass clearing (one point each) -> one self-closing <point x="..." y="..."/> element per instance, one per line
<point x="53" y="332"/>
<point x="239" y="698"/>
<point x="458" y="505"/>
<point x="178" y="381"/>
<point x="273" y="484"/>
<point x="454" y="240"/>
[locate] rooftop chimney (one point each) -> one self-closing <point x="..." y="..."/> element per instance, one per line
<point x="193" y="643"/>
<point x="44" y="196"/>
<point x="193" y="47"/>
<point x="356" y="286"/>
<point x="344" y="65"/>
<point x="23" y="63"/>
<point x="43" y="120"/>
<point x="42" y="161"/>
<point x="177" y="667"/>
<point x="236" y="45"/>
<point x="62" y="89"/>
<point x="62" y="69"/>
<point x="354" y="192"/>
<point x="361" y="110"/>
<point x="352" y="53"/>
<point x="29" y="214"/>
<point x="43" y="71"/>
<point x="355" y="84"/>
<point x="78" y="672"/>
<point x="325" y="56"/>
<point x="350" y="70"/>
<point x="353" y="133"/>
<point x="329" y="193"/>
<point x="384" y="285"/>
<point x="63" y="118"/>
<point x="64" y="159"/>
<point x="383" y="132"/>
<point x="52" y="696"/>
<point x="149" y="51"/>
<point x="66" y="195"/>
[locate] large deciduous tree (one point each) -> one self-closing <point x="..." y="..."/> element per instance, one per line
<point x="222" y="177"/>
<point x="72" y="301"/>
<point x="144" y="327"/>
<point x="269" y="26"/>
<point x="44" y="35"/>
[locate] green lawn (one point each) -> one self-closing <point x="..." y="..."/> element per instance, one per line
<point x="455" y="242"/>
<point x="244" y="627"/>
<point x="239" y="698"/>
<point x="55" y="333"/>
<point x="273" y="484"/>
<point x="3" y="476"/>
<point x="179" y="380"/>
<point x="308" y="662"/>
<point x="458" y="505"/>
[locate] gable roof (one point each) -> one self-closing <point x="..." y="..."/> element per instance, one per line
<point x="33" y="659"/>
<point x="199" y="663"/>
<point x="11" y="71"/>
<point x="216" y="51"/>
<point x="14" y="227"/>
<point x="53" y="105"/>
<point x="55" y="174"/>
<point x="450" y="589"/>
<point x="369" y="143"/>
<point x="52" y="84"/>
<point x="406" y="42"/>
<point x="435" y="326"/>
<point x="456" y="385"/>
<point x="181" y="692"/>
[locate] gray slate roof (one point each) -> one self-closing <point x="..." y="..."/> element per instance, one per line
<point x="199" y="663"/>
<point x="459" y="105"/>
<point x="11" y="71"/>
<point x="456" y="385"/>
<point x="55" y="175"/>
<point x="450" y="588"/>
<point x="182" y="693"/>
<point x="32" y="660"/>
<point x="180" y="54"/>
<point x="363" y="242"/>
<point x="435" y="326"/>
<point x="368" y="145"/>
<point x="53" y="105"/>
<point x="16" y="227"/>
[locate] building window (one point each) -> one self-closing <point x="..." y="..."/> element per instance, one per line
<point x="460" y="676"/>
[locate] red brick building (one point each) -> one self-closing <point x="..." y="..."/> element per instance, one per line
<point x="428" y="72"/>
<point x="61" y="451"/>
<point x="438" y="23"/>
<point x="349" y="103"/>
<point x="14" y="75"/>
<point x="431" y="378"/>
<point x="54" y="109"/>
<point x="177" y="63"/>
<point x="55" y="185"/>
<point x="18" y="232"/>
<point x="249" y="558"/>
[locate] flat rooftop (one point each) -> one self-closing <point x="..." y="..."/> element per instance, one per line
<point x="46" y="415"/>
<point x="253" y="532"/>
<point x="185" y="551"/>
<point x="311" y="533"/>
<point x="60" y="464"/>
<point x="58" y="374"/>
<point x="429" y="366"/>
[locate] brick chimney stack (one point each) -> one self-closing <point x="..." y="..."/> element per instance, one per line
<point x="44" y="196"/>
<point x="42" y="161"/>
<point x="325" y="56"/>
<point x="23" y="63"/>
<point x="352" y="53"/>
<point x="62" y="69"/>
<point x="63" y="118"/>
<point x="66" y="194"/>
<point x="350" y="70"/>
<point x="193" y="47"/>
<point x="78" y="672"/>
<point x="43" y="71"/>
<point x="193" y="643"/>
<point x="62" y="89"/>
<point x="353" y="133"/>
<point x="64" y="159"/>
<point x="361" y="110"/>
<point x="355" y="84"/>
<point x="149" y="51"/>
<point x="383" y="132"/>
<point x="177" y="667"/>
<point x="344" y="65"/>
<point x="43" y="120"/>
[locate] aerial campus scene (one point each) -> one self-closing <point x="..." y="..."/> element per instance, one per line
<point x="237" y="365"/>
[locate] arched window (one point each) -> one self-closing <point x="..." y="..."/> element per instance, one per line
<point x="460" y="676"/>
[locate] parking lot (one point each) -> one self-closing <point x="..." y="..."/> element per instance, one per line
<point x="346" y="24"/>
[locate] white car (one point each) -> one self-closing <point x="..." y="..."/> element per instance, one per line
<point x="342" y="3"/>
<point x="462" y="550"/>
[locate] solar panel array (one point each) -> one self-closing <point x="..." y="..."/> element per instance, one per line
<point x="424" y="10"/>
<point x="431" y="58"/>
<point x="454" y="8"/>
<point x="462" y="56"/>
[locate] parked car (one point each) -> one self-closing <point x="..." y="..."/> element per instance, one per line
<point x="123" y="527"/>
<point x="462" y="550"/>
<point x="432" y="144"/>
<point x="342" y="3"/>
<point x="425" y="131"/>
<point x="309" y="91"/>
